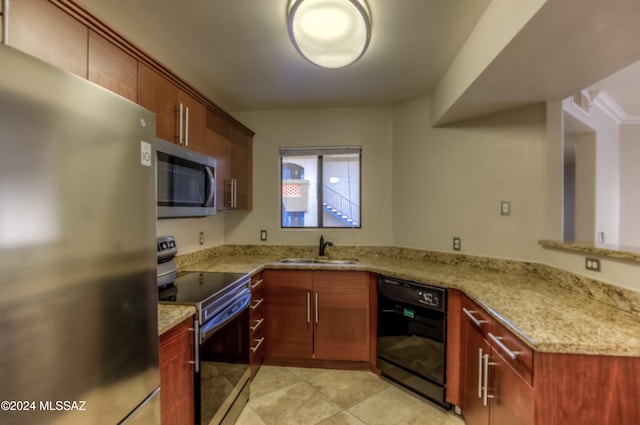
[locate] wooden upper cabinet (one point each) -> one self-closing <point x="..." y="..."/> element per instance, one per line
<point x="219" y="147"/>
<point x="159" y="95"/>
<point x="241" y="167"/>
<point x="112" y="68"/>
<point x="39" y="28"/>
<point x="194" y="122"/>
<point x="180" y="118"/>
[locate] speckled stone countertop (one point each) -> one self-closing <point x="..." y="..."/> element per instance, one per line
<point x="550" y="310"/>
<point x="170" y="315"/>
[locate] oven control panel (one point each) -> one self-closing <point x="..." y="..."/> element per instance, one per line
<point x="420" y="294"/>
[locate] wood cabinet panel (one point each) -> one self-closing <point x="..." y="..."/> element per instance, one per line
<point x="241" y="152"/>
<point x="158" y="95"/>
<point x="475" y="347"/>
<point x="194" y="122"/>
<point x="177" y="374"/>
<point x="322" y="315"/>
<point x="454" y="347"/>
<point x="41" y="29"/>
<point x="112" y="68"/>
<point x="582" y="389"/>
<point x="511" y="396"/>
<point x="342" y="324"/>
<point x="522" y="364"/>
<point x="288" y="330"/>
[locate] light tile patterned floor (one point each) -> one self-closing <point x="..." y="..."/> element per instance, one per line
<point x="300" y="396"/>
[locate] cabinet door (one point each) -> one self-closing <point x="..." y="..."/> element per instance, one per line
<point x="287" y="306"/>
<point x="219" y="147"/>
<point x="241" y="152"/>
<point x="511" y="397"/>
<point x="288" y="330"/>
<point x="473" y="379"/>
<point x="112" y="68"/>
<point x="194" y="123"/>
<point x="41" y="29"/>
<point x="341" y="315"/>
<point x="177" y="374"/>
<point x="159" y="95"/>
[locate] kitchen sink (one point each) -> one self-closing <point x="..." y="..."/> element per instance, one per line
<point x="315" y="261"/>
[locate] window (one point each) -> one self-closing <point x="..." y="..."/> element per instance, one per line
<point x="320" y="187"/>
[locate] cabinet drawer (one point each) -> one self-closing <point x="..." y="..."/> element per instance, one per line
<point x="340" y="280"/>
<point x="476" y="316"/>
<point x="515" y="353"/>
<point x="288" y="278"/>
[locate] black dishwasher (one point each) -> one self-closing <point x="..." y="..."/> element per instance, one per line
<point x="411" y="336"/>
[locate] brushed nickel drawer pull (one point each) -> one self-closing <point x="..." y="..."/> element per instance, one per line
<point x="498" y="340"/>
<point x="258" y="283"/>
<point x="470" y="315"/>
<point x="256" y="304"/>
<point x="257" y="325"/>
<point x="259" y="341"/>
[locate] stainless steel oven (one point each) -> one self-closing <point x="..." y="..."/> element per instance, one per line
<point x="222" y="332"/>
<point x="411" y="336"/>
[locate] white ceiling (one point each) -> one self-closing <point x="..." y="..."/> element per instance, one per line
<point x="237" y="52"/>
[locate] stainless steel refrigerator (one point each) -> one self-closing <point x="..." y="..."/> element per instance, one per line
<point x="78" y="294"/>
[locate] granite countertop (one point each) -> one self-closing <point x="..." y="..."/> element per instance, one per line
<point x="546" y="316"/>
<point x="170" y="315"/>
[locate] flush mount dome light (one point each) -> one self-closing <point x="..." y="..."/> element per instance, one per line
<point x="329" y="33"/>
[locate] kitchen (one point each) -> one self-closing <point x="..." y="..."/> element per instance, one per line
<point x="455" y="170"/>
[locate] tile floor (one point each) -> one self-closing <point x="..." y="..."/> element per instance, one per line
<point x="300" y="396"/>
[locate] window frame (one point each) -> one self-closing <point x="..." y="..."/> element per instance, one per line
<point x="319" y="152"/>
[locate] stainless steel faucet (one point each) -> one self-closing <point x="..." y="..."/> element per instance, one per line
<point x="323" y="245"/>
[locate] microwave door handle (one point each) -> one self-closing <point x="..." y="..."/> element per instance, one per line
<point x="212" y="186"/>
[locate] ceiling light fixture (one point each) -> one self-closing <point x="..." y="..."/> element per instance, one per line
<point x="329" y="33"/>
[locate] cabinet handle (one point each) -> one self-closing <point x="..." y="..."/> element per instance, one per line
<point x="498" y="340"/>
<point x="480" y="365"/>
<point x="316" y="312"/>
<point x="256" y="284"/>
<point x="257" y="325"/>
<point x="196" y="346"/>
<point x="234" y="193"/>
<point x="180" y="108"/>
<point x="256" y="304"/>
<point x="308" y="307"/>
<point x="230" y="200"/>
<point x="186" y="126"/>
<point x="487" y="396"/>
<point x="259" y="341"/>
<point x="470" y="315"/>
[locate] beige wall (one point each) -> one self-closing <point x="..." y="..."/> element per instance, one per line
<point x="368" y="127"/>
<point x="449" y="181"/>
<point x="187" y="231"/>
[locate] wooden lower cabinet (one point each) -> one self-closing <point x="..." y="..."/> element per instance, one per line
<point x="321" y="315"/>
<point x="532" y="388"/>
<point x="177" y="374"/>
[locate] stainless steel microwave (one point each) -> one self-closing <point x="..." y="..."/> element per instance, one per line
<point x="185" y="182"/>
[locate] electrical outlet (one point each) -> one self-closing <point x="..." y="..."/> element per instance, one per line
<point x="457" y="243"/>
<point x="505" y="207"/>
<point x="201" y="238"/>
<point x="263" y="235"/>
<point x="592" y="264"/>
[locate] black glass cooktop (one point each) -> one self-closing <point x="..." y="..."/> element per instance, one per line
<point x="197" y="287"/>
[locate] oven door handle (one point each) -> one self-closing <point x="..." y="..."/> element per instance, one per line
<point x="225" y="316"/>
